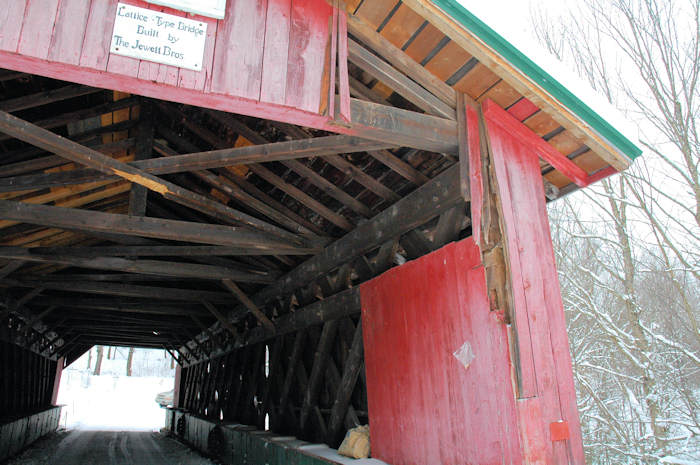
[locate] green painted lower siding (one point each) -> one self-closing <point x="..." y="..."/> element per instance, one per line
<point x="243" y="445"/>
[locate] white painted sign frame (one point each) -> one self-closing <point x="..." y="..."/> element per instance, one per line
<point x="211" y="8"/>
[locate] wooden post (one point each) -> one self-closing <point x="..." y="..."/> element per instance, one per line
<point x="57" y="380"/>
<point x="176" y="389"/>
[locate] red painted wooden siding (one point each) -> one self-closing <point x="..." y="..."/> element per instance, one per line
<point x="424" y="406"/>
<point x="271" y="51"/>
<point x="546" y="393"/>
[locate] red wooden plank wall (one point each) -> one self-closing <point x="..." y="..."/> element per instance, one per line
<point x="425" y="407"/>
<point x="271" y="51"/>
<point x="546" y="392"/>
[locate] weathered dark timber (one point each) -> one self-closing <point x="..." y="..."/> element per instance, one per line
<point x="151" y="267"/>
<point x="343" y="304"/>
<point x="319" y="367"/>
<point x="243" y="298"/>
<point x="124" y="305"/>
<point x="47" y="140"/>
<point x="36" y="164"/>
<point x="341" y="402"/>
<point x="269" y="176"/>
<point x="70" y="218"/>
<point x="10" y="268"/>
<point x="220" y="318"/>
<point x="65" y="118"/>
<point x="410" y="212"/>
<point x="449" y="225"/>
<point x="122" y="290"/>
<point x="46" y="97"/>
<point x="277" y="151"/>
<point x="403" y="128"/>
<point x="169" y="251"/>
<point x="404" y="86"/>
<point x="230" y="188"/>
<point x="143" y="150"/>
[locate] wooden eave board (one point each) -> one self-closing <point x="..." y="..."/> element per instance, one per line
<point x="419" y="28"/>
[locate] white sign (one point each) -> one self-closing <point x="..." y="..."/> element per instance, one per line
<point x="212" y="8"/>
<point x="154" y="36"/>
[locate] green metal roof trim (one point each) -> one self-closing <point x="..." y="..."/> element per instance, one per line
<point x="538" y="75"/>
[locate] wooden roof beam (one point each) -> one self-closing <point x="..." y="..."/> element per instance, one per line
<point x="46" y="97"/>
<point x="168" y="251"/>
<point x="73" y="151"/>
<point x="277" y="151"/>
<point x="428" y="201"/>
<point x="398" y="81"/>
<point x="120" y="289"/>
<point x="401" y="61"/>
<point x="245" y="300"/>
<point x="94" y="221"/>
<point x="121" y="305"/>
<point x="149" y="267"/>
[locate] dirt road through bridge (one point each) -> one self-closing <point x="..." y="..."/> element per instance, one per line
<point x="88" y="447"/>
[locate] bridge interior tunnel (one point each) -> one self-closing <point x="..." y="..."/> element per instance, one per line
<point x="316" y="259"/>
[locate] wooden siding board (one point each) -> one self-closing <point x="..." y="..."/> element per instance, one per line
<point x="95" y="51"/>
<point x="309" y="34"/>
<point x="69" y="31"/>
<point x="37" y="28"/>
<point x="274" y="69"/>
<point x="238" y="55"/>
<point x="423" y="403"/>
<point x="11" y="18"/>
<point x="201" y="80"/>
<point x="537" y="300"/>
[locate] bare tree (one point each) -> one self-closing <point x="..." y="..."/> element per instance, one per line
<point x="98" y="360"/>
<point x="628" y="249"/>
<point x="129" y="361"/>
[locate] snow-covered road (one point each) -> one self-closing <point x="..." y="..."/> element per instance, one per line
<point x="90" y="447"/>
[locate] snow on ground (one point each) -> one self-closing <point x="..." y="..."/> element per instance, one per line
<point x="113" y="401"/>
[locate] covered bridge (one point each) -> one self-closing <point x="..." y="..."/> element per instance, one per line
<point x="330" y="213"/>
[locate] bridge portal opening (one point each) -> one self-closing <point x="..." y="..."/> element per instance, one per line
<point x="117" y="389"/>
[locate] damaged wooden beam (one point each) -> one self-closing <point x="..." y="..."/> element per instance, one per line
<point x="276" y="151"/>
<point x="73" y="151"/>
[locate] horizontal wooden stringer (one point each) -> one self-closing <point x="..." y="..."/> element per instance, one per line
<point x="71" y="218"/>
<point x="278" y="151"/>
